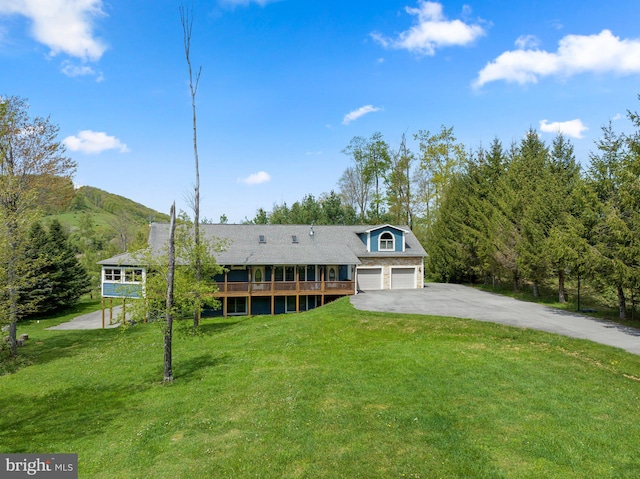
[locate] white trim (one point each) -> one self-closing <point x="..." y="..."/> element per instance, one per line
<point x="254" y="270"/>
<point x="123" y="274"/>
<point x="393" y="242"/>
<point x="386" y="226"/>
<point x="286" y="305"/>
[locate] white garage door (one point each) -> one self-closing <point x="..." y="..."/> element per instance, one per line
<point x="403" y="278"/>
<point x="369" y="279"/>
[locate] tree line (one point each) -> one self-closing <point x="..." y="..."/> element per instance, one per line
<point x="526" y="214"/>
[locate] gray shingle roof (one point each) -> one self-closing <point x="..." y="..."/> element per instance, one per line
<point x="329" y="244"/>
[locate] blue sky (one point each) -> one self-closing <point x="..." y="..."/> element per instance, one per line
<point x="286" y="84"/>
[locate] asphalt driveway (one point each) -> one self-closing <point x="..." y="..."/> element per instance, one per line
<point x="91" y="320"/>
<point x="466" y="302"/>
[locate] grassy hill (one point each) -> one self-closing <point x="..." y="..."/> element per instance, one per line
<point x="332" y="392"/>
<point x="104" y="208"/>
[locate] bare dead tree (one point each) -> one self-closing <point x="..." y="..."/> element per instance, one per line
<point x="186" y="18"/>
<point x="168" y="331"/>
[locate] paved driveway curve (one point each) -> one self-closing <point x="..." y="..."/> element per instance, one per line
<point x="466" y="302"/>
<point x="91" y="320"/>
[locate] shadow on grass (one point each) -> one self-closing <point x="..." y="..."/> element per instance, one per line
<point x="28" y="422"/>
<point x="62" y="344"/>
<point x="212" y="326"/>
<point x="194" y="369"/>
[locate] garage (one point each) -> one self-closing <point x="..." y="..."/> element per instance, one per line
<point x="369" y="279"/>
<point x="403" y="278"/>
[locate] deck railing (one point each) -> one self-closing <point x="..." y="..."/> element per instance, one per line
<point x="309" y="287"/>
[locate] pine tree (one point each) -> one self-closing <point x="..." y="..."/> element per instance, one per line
<point x="69" y="280"/>
<point x="610" y="180"/>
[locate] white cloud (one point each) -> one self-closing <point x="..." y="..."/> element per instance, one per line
<point x="94" y="142"/>
<point x="527" y="41"/>
<point x="431" y="31"/>
<point x="572" y="128"/>
<point x="65" y="26"/>
<point x="576" y="54"/>
<point x="72" y="71"/>
<point x="617" y="117"/>
<point x="355" y="114"/>
<point x="256" y="178"/>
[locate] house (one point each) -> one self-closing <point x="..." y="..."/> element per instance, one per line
<point x="273" y="269"/>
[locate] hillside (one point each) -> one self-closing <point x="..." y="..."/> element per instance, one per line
<point x="104" y="208"/>
<point x="101" y="225"/>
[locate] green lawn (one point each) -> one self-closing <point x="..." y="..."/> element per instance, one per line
<point x="330" y="393"/>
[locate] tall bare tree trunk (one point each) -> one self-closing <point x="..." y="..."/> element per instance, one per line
<point x="186" y="18"/>
<point x="12" y="277"/>
<point x="168" y="332"/>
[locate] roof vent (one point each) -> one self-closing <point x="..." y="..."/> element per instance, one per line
<point x="311" y="230"/>
<point x="262" y="239"/>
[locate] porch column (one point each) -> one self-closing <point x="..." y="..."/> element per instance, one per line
<point x="273" y="290"/>
<point x="297" y="289"/>
<point x="322" y="283"/>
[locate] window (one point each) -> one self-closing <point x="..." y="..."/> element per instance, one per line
<point x="291" y="304"/>
<point x="257" y="277"/>
<point x="262" y="239"/>
<point x="386" y="242"/>
<point x="132" y="275"/>
<point x="123" y="275"/>
<point x="236" y="305"/>
<point x="294" y="239"/>
<point x="332" y="274"/>
<point x="113" y="274"/>
<point x="279" y="273"/>
<point x="290" y="273"/>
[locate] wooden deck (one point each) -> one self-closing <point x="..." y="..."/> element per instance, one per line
<point x="286" y="288"/>
<point x="273" y="289"/>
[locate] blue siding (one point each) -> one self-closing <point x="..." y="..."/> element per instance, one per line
<point x="375" y="237"/>
<point x="119" y="290"/>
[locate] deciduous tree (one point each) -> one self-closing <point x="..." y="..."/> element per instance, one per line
<point x="29" y="154"/>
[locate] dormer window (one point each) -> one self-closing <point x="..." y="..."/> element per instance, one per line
<point x="386" y="242"/>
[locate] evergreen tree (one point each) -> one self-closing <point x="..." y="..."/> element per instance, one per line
<point x="565" y="245"/>
<point x="37" y="287"/>
<point x="610" y="176"/>
<point x="69" y="280"/>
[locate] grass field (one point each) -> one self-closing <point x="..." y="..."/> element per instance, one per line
<point x="330" y="393"/>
